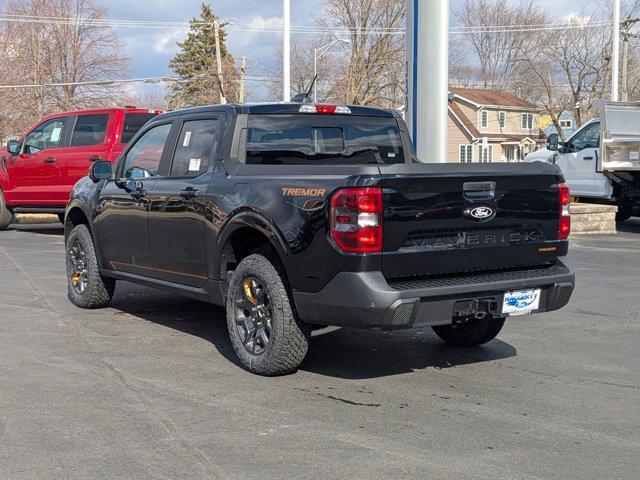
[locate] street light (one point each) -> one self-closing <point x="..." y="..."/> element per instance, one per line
<point x="317" y="55"/>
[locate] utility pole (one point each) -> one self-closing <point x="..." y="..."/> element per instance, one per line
<point x="243" y="74"/>
<point x="223" y="97"/>
<point x="286" y="50"/>
<point x="626" y="36"/>
<point x="615" y="67"/>
<point x="428" y="78"/>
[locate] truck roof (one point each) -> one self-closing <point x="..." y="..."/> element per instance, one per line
<point x="275" y="108"/>
<point x="101" y="110"/>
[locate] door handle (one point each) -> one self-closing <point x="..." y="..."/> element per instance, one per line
<point x="95" y="158"/>
<point x="587" y="158"/>
<point x="189" y="193"/>
<point x="138" y="194"/>
<point x="50" y="160"/>
<point x="479" y="190"/>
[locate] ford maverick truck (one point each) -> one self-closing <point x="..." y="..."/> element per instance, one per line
<point x="298" y="216"/>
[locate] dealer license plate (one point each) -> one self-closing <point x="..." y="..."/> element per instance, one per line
<point x="521" y="302"/>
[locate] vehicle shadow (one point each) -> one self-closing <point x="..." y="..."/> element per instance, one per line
<point x="39" y="228"/>
<point x="343" y="353"/>
<point x="630" y="226"/>
<point x="366" y="354"/>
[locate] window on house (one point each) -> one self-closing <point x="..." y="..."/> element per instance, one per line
<point x="566" y="123"/>
<point x="502" y="119"/>
<point x="527" y="121"/>
<point x="466" y="153"/>
<point x="484" y="118"/>
<point x="485" y="153"/>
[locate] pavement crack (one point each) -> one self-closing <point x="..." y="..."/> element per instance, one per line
<point x="339" y="399"/>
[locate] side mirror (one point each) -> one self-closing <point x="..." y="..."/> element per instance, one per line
<point x="13" y="147"/>
<point x="100" y="171"/>
<point x="553" y="142"/>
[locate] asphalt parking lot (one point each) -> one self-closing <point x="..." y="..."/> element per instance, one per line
<point x="149" y="389"/>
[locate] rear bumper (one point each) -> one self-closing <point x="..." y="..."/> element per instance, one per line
<point x="367" y="300"/>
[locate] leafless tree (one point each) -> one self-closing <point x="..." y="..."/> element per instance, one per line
<point x="58" y="52"/>
<point x="494" y="48"/>
<point x="373" y="73"/>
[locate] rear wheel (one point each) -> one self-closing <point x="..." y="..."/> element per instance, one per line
<point x="86" y="287"/>
<point x="624" y="214"/>
<point x="265" y="331"/>
<point x="472" y="333"/>
<point x="5" y="215"/>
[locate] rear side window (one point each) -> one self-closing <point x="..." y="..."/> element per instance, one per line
<point x="195" y="149"/>
<point x="322" y="139"/>
<point x="89" y="130"/>
<point x="133" y="122"/>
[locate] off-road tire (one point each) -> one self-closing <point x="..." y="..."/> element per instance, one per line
<point x="624" y="214"/>
<point x="472" y="333"/>
<point x="289" y="340"/>
<point x="6" y="217"/>
<point x="99" y="289"/>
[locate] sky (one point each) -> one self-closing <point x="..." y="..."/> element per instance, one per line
<point x="151" y="50"/>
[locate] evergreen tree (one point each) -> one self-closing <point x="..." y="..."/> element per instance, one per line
<point x="196" y="65"/>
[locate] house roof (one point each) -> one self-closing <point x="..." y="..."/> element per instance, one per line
<point x="491" y="97"/>
<point x="464" y="120"/>
<point x="476" y="135"/>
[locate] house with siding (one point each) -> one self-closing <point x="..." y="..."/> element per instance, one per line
<point x="566" y="120"/>
<point x="491" y="126"/>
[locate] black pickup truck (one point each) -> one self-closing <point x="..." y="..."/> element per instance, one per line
<point x="298" y="216"/>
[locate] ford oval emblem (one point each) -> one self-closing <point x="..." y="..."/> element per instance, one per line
<point x="480" y="214"/>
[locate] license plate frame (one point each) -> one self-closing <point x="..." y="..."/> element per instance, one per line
<point x="521" y="302"/>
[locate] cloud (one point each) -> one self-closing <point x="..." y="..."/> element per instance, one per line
<point x="166" y="43"/>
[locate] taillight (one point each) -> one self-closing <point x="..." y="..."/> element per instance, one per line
<point x="356" y="220"/>
<point x="325" y="109"/>
<point x="564" y="221"/>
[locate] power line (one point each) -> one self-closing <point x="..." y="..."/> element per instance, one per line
<point x="232" y="25"/>
<point x="92" y="83"/>
<point x="106" y="83"/>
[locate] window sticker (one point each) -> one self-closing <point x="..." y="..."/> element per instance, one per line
<point x="194" y="164"/>
<point x="55" y="134"/>
<point x="187" y="139"/>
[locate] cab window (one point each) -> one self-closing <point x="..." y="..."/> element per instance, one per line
<point x="143" y="159"/>
<point x="132" y="123"/>
<point x="322" y="140"/>
<point x="45" y="136"/>
<point x="588" y="137"/>
<point x="89" y="130"/>
<point x="196" y="148"/>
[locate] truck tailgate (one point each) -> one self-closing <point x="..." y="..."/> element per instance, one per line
<point x="451" y="219"/>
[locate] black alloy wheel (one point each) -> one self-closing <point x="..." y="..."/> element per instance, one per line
<point x="77" y="258"/>
<point x="253" y="316"/>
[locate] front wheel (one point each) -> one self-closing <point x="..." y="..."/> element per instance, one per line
<point x="5" y="215"/>
<point x="472" y="333"/>
<point x="86" y="286"/>
<point x="265" y="331"/>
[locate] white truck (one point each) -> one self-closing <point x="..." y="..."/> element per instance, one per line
<point x="601" y="161"/>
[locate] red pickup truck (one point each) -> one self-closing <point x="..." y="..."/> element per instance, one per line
<point x="38" y="171"/>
